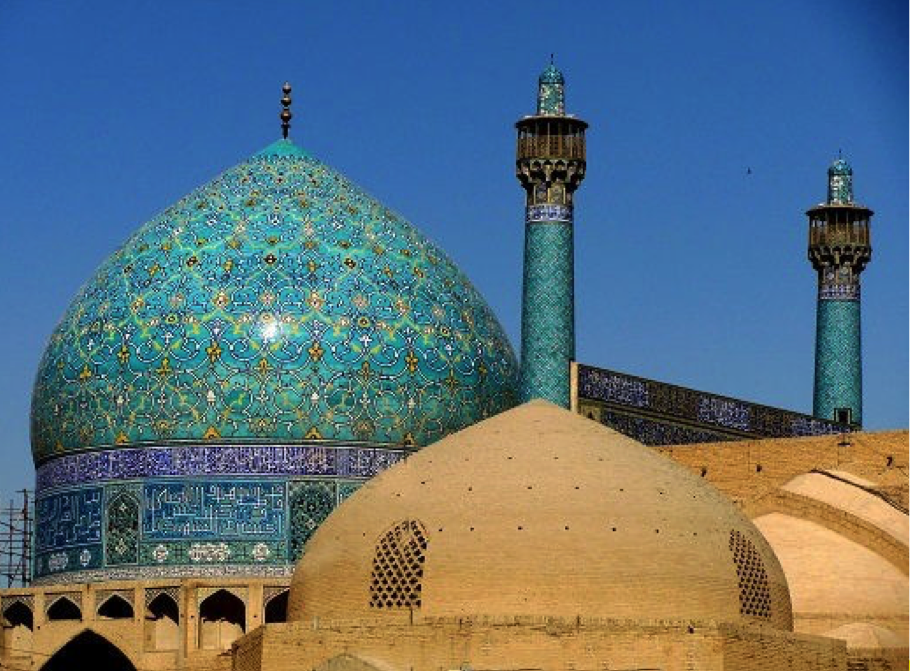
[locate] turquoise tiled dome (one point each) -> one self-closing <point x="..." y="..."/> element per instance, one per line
<point x="277" y="303"/>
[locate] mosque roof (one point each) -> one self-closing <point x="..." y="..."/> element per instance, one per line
<point x="539" y="512"/>
<point x="278" y="302"/>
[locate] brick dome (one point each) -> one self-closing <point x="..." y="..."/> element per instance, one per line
<point x="538" y="511"/>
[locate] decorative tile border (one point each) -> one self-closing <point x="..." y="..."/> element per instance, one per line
<point x="548" y="212"/>
<point x="208" y="460"/>
<point x="158" y="572"/>
<point x="657" y="413"/>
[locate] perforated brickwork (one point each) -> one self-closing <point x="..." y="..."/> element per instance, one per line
<point x="397" y="577"/>
<point x="754" y="593"/>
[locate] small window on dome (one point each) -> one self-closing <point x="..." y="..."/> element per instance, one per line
<point x="754" y="593"/>
<point x="397" y="578"/>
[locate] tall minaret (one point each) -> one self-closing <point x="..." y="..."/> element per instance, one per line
<point x="839" y="249"/>
<point x="550" y="165"/>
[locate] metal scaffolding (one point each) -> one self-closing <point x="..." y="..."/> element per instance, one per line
<point x="16" y="525"/>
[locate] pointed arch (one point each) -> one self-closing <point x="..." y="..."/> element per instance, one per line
<point x="222" y="620"/>
<point x="162" y="623"/>
<point x="18" y="626"/>
<point x="19" y="614"/>
<point x="63" y="608"/>
<point x="276" y="608"/>
<point x="88" y="645"/>
<point x="115" y="607"/>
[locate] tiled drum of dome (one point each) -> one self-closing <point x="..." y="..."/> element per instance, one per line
<point x="276" y="322"/>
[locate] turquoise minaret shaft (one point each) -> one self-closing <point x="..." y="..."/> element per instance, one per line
<point x="839" y="249"/>
<point x="550" y="165"/>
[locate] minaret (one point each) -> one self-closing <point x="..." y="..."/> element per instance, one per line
<point x="550" y="165"/>
<point x="839" y="249"/>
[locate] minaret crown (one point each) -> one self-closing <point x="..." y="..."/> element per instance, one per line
<point x="551" y="92"/>
<point x="840" y="183"/>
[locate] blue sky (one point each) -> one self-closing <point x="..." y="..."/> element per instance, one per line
<point x="688" y="269"/>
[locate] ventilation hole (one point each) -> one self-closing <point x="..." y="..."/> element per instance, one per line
<point x="397" y="566"/>
<point x="754" y="592"/>
<point x="758" y="468"/>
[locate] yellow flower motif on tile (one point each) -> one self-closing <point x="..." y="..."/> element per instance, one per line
<point x="313" y="434"/>
<point x="315" y="301"/>
<point x="263" y="366"/>
<point x="85" y="374"/>
<point x="316" y="352"/>
<point x="121" y="439"/>
<point x="123" y="354"/>
<point x="451" y="381"/>
<point x="211" y="433"/>
<point x="165" y="368"/>
<point x="221" y="299"/>
<point x="411" y="361"/>
<point x="213" y="351"/>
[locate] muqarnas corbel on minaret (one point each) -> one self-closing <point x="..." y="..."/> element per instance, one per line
<point x="550" y="165"/>
<point x="840" y="246"/>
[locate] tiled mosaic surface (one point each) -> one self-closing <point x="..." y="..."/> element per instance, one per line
<point x="551" y="97"/>
<point x="240" y="366"/>
<point x="180" y="527"/>
<point x="656" y="413"/>
<point x="840" y="183"/>
<point x="838" y="359"/>
<point x="278" y="302"/>
<point x="207" y="459"/>
<point x="548" y="312"/>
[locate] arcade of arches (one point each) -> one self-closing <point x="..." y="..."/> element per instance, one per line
<point x="128" y="626"/>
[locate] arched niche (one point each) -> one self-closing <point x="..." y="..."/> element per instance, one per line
<point x="222" y="620"/>
<point x="276" y="608"/>
<point x="64" y="609"/>
<point x="18" y="624"/>
<point x="162" y="623"/>
<point x="89" y="650"/>
<point x="19" y="614"/>
<point x="115" y="607"/>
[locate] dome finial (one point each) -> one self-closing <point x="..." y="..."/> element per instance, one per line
<point x="286" y="112"/>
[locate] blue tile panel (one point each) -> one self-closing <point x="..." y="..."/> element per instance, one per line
<point x="657" y="413"/>
<point x="180" y="527"/>
<point x="548" y="305"/>
<point x="277" y="303"/>
<point x="213" y="460"/>
<point x="838" y="359"/>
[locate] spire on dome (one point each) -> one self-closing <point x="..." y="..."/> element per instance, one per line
<point x="840" y="182"/>
<point x="551" y="93"/>
<point x="286" y="112"/>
